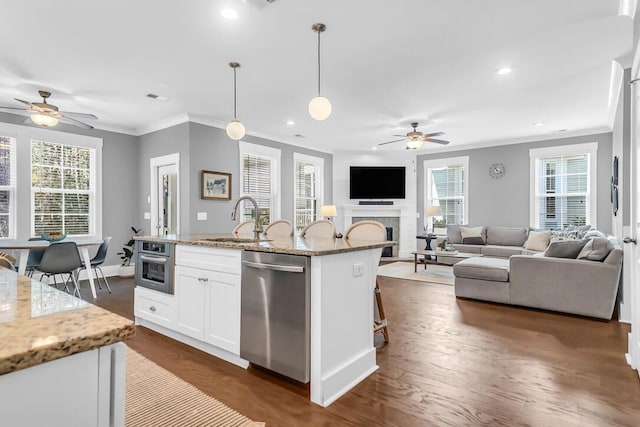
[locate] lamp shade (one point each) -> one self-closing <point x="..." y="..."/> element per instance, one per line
<point x="320" y="108"/>
<point x="235" y="130"/>
<point x="44" y="120"/>
<point x="434" y="211"/>
<point x="328" y="210"/>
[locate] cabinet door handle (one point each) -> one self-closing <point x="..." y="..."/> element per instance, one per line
<point x="152" y="308"/>
<point x="203" y="279"/>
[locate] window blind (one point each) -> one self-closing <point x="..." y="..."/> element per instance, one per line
<point x="306" y="175"/>
<point x="7" y="185"/>
<point x="563" y="191"/>
<point x="63" y="188"/>
<point x="257" y="183"/>
<point x="447" y="191"/>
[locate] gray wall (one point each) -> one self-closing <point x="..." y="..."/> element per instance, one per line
<point x="505" y="201"/>
<point x="119" y="189"/>
<point x="211" y="149"/>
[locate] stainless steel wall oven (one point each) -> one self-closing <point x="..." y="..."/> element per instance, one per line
<point x="154" y="265"/>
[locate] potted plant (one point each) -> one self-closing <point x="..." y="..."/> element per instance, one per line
<point x="127" y="268"/>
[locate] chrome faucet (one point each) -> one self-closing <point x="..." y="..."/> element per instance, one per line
<point x="256" y="229"/>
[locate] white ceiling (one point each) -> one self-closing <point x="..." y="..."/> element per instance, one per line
<point x="384" y="64"/>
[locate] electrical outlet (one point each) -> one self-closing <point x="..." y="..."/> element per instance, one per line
<point x="358" y="269"/>
<point x="147" y="215"/>
<point x="202" y="216"/>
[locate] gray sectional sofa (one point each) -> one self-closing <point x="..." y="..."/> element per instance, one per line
<point x="501" y="242"/>
<point x="559" y="281"/>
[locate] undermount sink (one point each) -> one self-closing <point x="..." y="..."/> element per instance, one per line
<point x="232" y="240"/>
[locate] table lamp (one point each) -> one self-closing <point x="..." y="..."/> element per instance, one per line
<point x="433" y="211"/>
<point x="328" y="211"/>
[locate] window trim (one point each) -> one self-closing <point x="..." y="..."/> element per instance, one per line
<point x="590" y="148"/>
<point x="14" y="185"/>
<point x="23" y="136"/>
<point x="441" y="163"/>
<point x="318" y="162"/>
<point x="275" y="155"/>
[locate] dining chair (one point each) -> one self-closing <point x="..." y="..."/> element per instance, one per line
<point x="33" y="260"/>
<point x="97" y="261"/>
<point x="372" y="230"/>
<point x="320" y="228"/>
<point x="281" y="227"/>
<point x="61" y="258"/>
<point x="244" y="229"/>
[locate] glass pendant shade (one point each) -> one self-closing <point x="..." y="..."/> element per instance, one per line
<point x="44" y="120"/>
<point x="320" y="108"/>
<point x="414" y="144"/>
<point x="235" y="130"/>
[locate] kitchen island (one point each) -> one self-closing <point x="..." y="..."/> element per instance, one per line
<point x="205" y="310"/>
<point x="61" y="358"/>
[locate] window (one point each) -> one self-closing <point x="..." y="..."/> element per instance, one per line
<point x="7" y="186"/>
<point x="308" y="180"/>
<point x="447" y="186"/>
<point x="62" y="188"/>
<point x="260" y="179"/>
<point x="563" y="186"/>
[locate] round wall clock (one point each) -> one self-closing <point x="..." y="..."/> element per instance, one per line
<point x="497" y="170"/>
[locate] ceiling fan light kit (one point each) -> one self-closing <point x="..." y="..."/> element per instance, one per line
<point x="44" y="120"/>
<point x="416" y="139"/>
<point x="319" y="106"/>
<point x="235" y="129"/>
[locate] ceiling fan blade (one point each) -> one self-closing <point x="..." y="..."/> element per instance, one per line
<point x="437" y="141"/>
<point x="401" y="135"/>
<point x="390" y="142"/>
<point x="75" y="122"/>
<point x="79" y="115"/>
<point x="21" y="111"/>
<point x="428" y="135"/>
<point x="23" y="101"/>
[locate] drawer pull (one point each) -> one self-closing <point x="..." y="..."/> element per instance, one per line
<point x="203" y="279"/>
<point x="152" y="308"/>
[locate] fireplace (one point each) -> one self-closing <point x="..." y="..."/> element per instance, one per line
<point x="388" y="251"/>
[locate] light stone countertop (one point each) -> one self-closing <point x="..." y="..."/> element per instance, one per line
<point x="39" y="323"/>
<point x="294" y="245"/>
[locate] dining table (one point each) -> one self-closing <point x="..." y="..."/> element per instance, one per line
<point x="21" y="249"/>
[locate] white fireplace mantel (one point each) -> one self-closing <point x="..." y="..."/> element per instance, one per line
<point x="404" y="213"/>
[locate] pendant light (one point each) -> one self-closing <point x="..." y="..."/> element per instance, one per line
<point x="319" y="106"/>
<point x="235" y="128"/>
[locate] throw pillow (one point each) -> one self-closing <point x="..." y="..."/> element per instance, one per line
<point x="537" y="240"/>
<point x="466" y="232"/>
<point x="475" y="240"/>
<point x="453" y="233"/>
<point x="593" y="234"/>
<point x="596" y="249"/>
<point x="565" y="249"/>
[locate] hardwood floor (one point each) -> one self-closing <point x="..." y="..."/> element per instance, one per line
<point x="450" y="362"/>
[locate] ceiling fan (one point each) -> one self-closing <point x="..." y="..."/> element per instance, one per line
<point x="48" y="115"/>
<point x="415" y="139"/>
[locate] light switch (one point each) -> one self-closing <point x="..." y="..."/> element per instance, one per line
<point x="202" y="216"/>
<point x="147" y="215"/>
<point x="358" y="269"/>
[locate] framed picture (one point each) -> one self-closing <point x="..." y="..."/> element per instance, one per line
<point x="216" y="185"/>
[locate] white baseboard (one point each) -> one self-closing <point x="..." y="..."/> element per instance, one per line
<point x="108" y="270"/>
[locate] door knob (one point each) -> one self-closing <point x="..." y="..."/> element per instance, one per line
<point x="629" y="240"/>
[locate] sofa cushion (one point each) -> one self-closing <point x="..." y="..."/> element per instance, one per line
<point x="470" y="249"/>
<point x="501" y="251"/>
<point x="537" y="240"/>
<point x="596" y="249"/>
<point x="453" y="233"/>
<point x="471" y="232"/>
<point x="565" y="249"/>
<point x="494" y="269"/>
<point x="506" y="236"/>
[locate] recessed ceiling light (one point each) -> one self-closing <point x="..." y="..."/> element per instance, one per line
<point x="290" y="123"/>
<point x="537" y="124"/>
<point x="229" y="14"/>
<point x="504" y="70"/>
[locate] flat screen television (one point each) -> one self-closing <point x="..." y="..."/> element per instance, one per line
<point x="377" y="182"/>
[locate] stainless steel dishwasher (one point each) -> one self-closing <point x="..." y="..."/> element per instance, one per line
<point x="275" y="311"/>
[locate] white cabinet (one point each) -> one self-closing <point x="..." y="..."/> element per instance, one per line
<point x="154" y="306"/>
<point x="207" y="290"/>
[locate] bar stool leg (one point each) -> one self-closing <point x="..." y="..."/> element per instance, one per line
<point x="382" y="324"/>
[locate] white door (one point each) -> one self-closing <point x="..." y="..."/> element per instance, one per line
<point x="633" y="357"/>
<point x="167" y="191"/>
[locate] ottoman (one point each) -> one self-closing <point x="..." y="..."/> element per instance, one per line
<point x="483" y="278"/>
